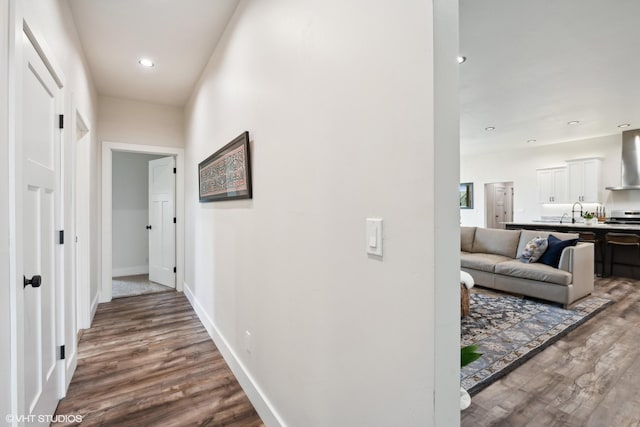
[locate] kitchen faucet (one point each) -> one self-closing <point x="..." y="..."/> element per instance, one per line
<point x="562" y="217"/>
<point x="573" y="212"/>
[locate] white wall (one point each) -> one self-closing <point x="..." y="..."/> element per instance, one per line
<point x="5" y="299"/>
<point x="520" y="167"/>
<point x="135" y="122"/>
<point x="338" y="99"/>
<point x="130" y="213"/>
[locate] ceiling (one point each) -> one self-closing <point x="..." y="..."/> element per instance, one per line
<point x="178" y="35"/>
<point x="532" y="66"/>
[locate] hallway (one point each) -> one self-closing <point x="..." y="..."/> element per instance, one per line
<point x="147" y="360"/>
<point x="342" y="151"/>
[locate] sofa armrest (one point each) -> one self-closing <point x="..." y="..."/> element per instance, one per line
<point x="579" y="261"/>
<point x="576" y="257"/>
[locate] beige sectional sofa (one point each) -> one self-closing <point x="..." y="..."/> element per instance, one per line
<point x="491" y="257"/>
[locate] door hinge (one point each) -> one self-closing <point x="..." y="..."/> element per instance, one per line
<point x="174" y="220"/>
<point x="61" y="121"/>
<point x="62" y="356"/>
<point x="175" y="270"/>
<point x="61" y="237"/>
<point x="174" y="170"/>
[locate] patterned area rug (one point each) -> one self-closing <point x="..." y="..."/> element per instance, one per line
<point x="510" y="330"/>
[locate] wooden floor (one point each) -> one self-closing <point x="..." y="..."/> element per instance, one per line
<point x="148" y="361"/>
<point x="591" y="377"/>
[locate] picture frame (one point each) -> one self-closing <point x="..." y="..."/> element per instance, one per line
<point x="466" y="195"/>
<point x="226" y="174"/>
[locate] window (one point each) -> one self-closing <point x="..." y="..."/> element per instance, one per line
<point x="466" y="195"/>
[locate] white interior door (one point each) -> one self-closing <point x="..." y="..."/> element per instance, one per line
<point x="41" y="255"/>
<point x="499" y="207"/>
<point x="162" y="240"/>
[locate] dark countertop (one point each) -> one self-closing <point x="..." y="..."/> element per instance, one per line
<point x="621" y="227"/>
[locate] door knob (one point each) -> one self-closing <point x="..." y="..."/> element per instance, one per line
<point x="35" y="281"/>
<point x="148" y="227"/>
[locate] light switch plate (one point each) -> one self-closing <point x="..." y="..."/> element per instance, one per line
<point x="374" y="236"/>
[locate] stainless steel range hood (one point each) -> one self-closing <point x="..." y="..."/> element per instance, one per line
<point x="630" y="161"/>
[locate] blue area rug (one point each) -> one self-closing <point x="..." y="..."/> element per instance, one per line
<point x="510" y="330"/>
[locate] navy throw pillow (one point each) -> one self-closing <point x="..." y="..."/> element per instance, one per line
<point x="551" y="256"/>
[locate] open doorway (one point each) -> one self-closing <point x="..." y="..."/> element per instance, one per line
<point x="138" y="217"/>
<point x="498" y="204"/>
<point x="143" y="211"/>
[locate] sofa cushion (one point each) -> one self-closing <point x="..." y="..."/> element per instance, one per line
<point x="534" y="249"/>
<point x="496" y="241"/>
<point x="535" y="271"/>
<point x="466" y="238"/>
<point x="551" y="257"/>
<point x="482" y="262"/>
<point x="527" y="235"/>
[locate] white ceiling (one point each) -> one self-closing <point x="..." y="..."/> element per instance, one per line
<point x="178" y="35"/>
<point x="532" y="65"/>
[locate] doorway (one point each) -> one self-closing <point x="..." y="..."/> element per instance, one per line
<point x="126" y="216"/>
<point x="142" y="221"/>
<point x="498" y="204"/>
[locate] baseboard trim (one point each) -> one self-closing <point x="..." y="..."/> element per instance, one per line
<point x="130" y="271"/>
<point x="94" y="308"/>
<point x="260" y="402"/>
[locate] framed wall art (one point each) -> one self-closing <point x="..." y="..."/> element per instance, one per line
<point x="226" y="174"/>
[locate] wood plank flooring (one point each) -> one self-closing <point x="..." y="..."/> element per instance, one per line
<point x="590" y="378"/>
<point x="148" y="361"/>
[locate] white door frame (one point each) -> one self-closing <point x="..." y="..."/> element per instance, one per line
<point x="489" y="201"/>
<point x="107" y="164"/>
<point x="5" y="299"/>
<point x="81" y="216"/>
<point x="78" y="132"/>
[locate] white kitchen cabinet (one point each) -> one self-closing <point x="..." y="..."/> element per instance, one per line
<point x="585" y="180"/>
<point x="552" y="185"/>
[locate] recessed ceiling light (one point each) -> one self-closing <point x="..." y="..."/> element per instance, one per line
<point x="573" y="122"/>
<point x="146" y="62"/>
<point x="489" y="128"/>
<point x="531" y="140"/>
<point x="624" y="125"/>
<point x="461" y="59"/>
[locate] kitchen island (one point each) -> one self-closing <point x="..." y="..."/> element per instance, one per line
<point x="621" y="261"/>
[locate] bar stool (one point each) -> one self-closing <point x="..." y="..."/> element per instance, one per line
<point x="591" y="237"/>
<point x="620" y="239"/>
